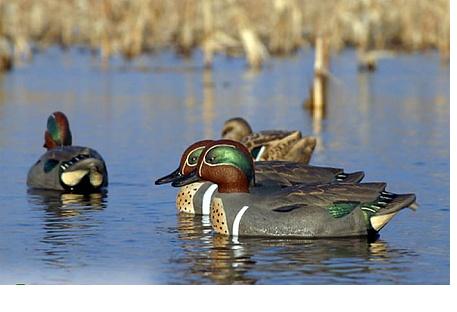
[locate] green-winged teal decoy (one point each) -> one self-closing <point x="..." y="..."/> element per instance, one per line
<point x="270" y="144"/>
<point x="241" y="208"/>
<point x="195" y="198"/>
<point x="64" y="167"/>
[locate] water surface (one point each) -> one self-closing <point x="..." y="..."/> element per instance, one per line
<point x="393" y="124"/>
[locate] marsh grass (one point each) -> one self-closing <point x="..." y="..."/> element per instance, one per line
<point x="254" y="29"/>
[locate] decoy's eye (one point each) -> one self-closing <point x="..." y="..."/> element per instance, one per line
<point x="193" y="160"/>
<point x="212" y="159"/>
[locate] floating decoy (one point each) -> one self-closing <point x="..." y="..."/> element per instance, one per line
<point x="64" y="167"/>
<point x="240" y="207"/>
<point x="195" y="198"/>
<point x="270" y="144"/>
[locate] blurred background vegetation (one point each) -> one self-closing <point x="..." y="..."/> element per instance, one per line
<point x="255" y="30"/>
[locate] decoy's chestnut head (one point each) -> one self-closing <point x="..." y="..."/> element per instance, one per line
<point x="188" y="162"/>
<point x="57" y="131"/>
<point x="224" y="162"/>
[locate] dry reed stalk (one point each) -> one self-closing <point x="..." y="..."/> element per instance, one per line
<point x="208" y="44"/>
<point x="257" y="28"/>
<point x="132" y="45"/>
<point x="185" y="37"/>
<point x="286" y="35"/>
<point x="101" y="38"/>
<point x="255" y="50"/>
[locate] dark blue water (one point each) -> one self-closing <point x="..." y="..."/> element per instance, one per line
<point x="393" y="124"/>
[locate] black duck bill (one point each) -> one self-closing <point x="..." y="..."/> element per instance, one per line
<point x="187" y="163"/>
<point x="186" y="179"/>
<point x="170" y="177"/>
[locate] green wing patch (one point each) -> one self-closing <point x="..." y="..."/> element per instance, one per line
<point x="49" y="165"/>
<point x="342" y="208"/>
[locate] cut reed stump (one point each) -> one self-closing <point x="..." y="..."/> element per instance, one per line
<point x="6" y="55"/>
<point x="317" y="96"/>
<point x="368" y="59"/>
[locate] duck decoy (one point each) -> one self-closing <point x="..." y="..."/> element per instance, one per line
<point x="239" y="207"/>
<point x="195" y="198"/>
<point x="64" y="167"/>
<point x="270" y="144"/>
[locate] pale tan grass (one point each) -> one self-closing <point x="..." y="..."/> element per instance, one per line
<point x="256" y="29"/>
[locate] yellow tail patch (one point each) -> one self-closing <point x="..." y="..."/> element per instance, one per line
<point x="378" y="222"/>
<point x="96" y="178"/>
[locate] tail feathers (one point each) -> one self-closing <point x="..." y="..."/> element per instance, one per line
<point x="354" y="177"/>
<point x="302" y="150"/>
<point x="386" y="206"/>
<point x="309" y="146"/>
<point x="278" y="149"/>
<point x="397" y="203"/>
<point x="378" y="187"/>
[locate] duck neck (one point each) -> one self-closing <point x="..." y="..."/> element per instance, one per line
<point x="234" y="187"/>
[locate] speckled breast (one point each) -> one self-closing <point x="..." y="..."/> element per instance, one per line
<point x="195" y="198"/>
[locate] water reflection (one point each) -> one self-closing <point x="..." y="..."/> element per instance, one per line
<point x="218" y="259"/>
<point x="365" y="100"/>
<point x="68" y="221"/>
<point x="211" y="258"/>
<point x="317" y="114"/>
<point x="208" y="103"/>
<point x="393" y="124"/>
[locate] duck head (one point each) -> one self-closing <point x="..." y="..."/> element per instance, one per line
<point x="226" y="163"/>
<point x="188" y="162"/>
<point x="58" y="131"/>
<point x="236" y="129"/>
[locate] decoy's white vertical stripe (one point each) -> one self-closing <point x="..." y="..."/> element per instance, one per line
<point x="262" y="149"/>
<point x="236" y="222"/>
<point x="207" y="199"/>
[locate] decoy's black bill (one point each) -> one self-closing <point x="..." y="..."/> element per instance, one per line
<point x="187" y="179"/>
<point x="170" y="177"/>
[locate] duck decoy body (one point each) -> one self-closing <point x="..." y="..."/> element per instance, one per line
<point x="239" y="207"/>
<point x="64" y="167"/>
<point x="270" y="144"/>
<point x="195" y="198"/>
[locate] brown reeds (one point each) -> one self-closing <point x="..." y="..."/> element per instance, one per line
<point x="255" y="29"/>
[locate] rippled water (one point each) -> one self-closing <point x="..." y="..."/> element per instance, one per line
<point x="393" y="124"/>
